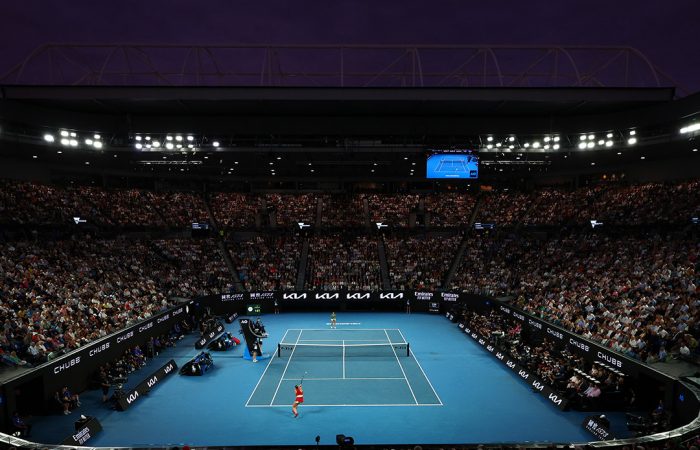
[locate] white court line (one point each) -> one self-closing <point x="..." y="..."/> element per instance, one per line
<point x="285" y="370"/>
<point x="340" y="379"/>
<point x="421" y="369"/>
<point x="343" y="359"/>
<point x="352" y="331"/>
<point x="401" y="367"/>
<point x="330" y="406"/>
<point x="301" y="341"/>
<point x="264" y="372"/>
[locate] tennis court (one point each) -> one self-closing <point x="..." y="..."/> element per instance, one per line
<point x="363" y="367"/>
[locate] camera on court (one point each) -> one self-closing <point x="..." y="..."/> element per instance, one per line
<point x="344" y="441"/>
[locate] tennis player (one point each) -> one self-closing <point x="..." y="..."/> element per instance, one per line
<point x="298" y="400"/>
<point x="333" y="319"/>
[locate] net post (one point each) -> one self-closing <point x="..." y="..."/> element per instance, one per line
<point x="408" y="349"/>
<point x="279" y="350"/>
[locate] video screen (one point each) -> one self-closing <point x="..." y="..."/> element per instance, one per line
<point x="452" y="165"/>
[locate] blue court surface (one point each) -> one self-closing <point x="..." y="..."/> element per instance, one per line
<point x="359" y="380"/>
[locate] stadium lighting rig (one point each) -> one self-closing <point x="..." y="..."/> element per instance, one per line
<point x="71" y="139"/>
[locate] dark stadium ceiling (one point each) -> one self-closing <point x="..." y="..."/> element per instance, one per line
<point x="278" y="133"/>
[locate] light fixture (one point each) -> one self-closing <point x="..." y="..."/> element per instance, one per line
<point x="169" y="145"/>
<point x="98" y="144"/>
<point x="64" y="133"/>
<point x="49" y="137"/>
<point x="490" y="146"/>
<point x="511" y="139"/>
<point x="536" y="144"/>
<point x="148" y="138"/>
<point x="632" y="141"/>
<point x="556" y="138"/>
<point x="490" y="138"/>
<point x="138" y="138"/>
<point x="88" y="141"/>
<point x="74" y="142"/>
<point x="688" y="129"/>
<point x="527" y="144"/>
<point x="583" y="137"/>
<point x="593" y="164"/>
<point x="643" y="157"/>
<point x="556" y="146"/>
<point x="546" y="146"/>
<point x="215" y="143"/>
<point x="139" y="146"/>
<point x="609" y="135"/>
<point x="156" y="144"/>
<point x="498" y="144"/>
<point x="591" y="137"/>
<point x="619" y="153"/>
<point x="178" y="138"/>
<point x="169" y="138"/>
<point x="609" y="143"/>
<point x="97" y="136"/>
<point x="633" y="132"/>
<point x="601" y="142"/>
<point x="581" y="145"/>
<point x="34" y="157"/>
<point x="591" y="145"/>
<point x="189" y="138"/>
<point x="547" y="138"/>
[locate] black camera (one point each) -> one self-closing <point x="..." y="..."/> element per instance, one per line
<point x="344" y="441"/>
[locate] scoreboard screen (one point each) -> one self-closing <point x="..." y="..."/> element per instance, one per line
<point x="452" y="164"/>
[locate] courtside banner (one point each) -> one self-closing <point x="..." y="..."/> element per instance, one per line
<point x="212" y="335"/>
<point x="592" y="351"/>
<point x="535" y="382"/>
<point x="128" y="399"/>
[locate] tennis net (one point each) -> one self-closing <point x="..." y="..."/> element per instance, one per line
<point x="343" y="350"/>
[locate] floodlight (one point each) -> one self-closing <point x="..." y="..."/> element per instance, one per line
<point x="215" y="143"/>
<point x="49" y="137"/>
<point x="632" y="141"/>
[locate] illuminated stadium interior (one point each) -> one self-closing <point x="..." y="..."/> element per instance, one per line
<point x="444" y="245"/>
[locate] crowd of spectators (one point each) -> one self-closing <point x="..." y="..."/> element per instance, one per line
<point x="233" y="210"/>
<point x="343" y="211"/>
<point x="268" y="262"/>
<point x="343" y="261"/>
<point x="586" y="386"/>
<point x="291" y="209"/>
<point x="634" y="293"/>
<point x="641" y="204"/>
<point x="449" y="209"/>
<point x="393" y="210"/>
<point x="419" y="261"/>
<point x="56" y="296"/>
<point x="199" y="268"/>
<point x="503" y="208"/>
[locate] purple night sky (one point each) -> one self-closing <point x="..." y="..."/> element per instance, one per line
<point x="667" y="32"/>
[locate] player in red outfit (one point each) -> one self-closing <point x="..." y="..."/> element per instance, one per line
<point x="298" y="400"/>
